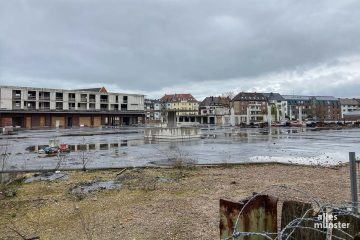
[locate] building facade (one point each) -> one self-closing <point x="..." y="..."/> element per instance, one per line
<point x="43" y="107"/>
<point x="349" y="105"/>
<point x="152" y="110"/>
<point x="298" y="107"/>
<point x="326" y="108"/>
<point x="215" y="110"/>
<point x="185" y="102"/>
<point x="249" y="107"/>
<point x="185" y="106"/>
<point x="279" y="106"/>
<point x="319" y="108"/>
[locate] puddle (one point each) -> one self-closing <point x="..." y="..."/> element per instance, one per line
<point x="47" y="177"/>
<point x="231" y="145"/>
<point x="95" y="186"/>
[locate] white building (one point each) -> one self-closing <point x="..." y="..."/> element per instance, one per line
<point x="45" y="107"/>
<point x="349" y="105"/>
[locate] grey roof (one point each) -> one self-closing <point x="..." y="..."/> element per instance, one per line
<point x="307" y="98"/>
<point x="274" y="96"/>
<point x="349" y="101"/>
<point x="326" y="98"/>
<point x="245" y="96"/>
<point x="152" y="100"/>
<point x="297" y="97"/>
<point x="212" y="101"/>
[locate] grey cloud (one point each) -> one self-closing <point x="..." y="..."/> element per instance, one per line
<point x="156" y="45"/>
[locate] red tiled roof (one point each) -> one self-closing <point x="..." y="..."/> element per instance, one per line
<point x="178" y="97"/>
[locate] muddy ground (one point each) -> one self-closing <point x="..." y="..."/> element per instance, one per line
<point x="177" y="203"/>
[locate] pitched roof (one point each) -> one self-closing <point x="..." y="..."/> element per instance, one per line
<point x="102" y="90"/>
<point x="297" y="97"/>
<point x="212" y="101"/>
<point x="274" y="96"/>
<point x="178" y="97"/>
<point x="326" y="98"/>
<point x="349" y="101"/>
<point x="245" y="96"/>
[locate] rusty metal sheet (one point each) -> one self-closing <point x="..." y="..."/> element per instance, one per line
<point x="294" y="209"/>
<point x="259" y="215"/>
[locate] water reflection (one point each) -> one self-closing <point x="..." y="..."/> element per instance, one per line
<point x="94" y="146"/>
<point x="234" y="134"/>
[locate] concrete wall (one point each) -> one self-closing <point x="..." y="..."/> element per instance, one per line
<point x="6" y="98"/>
<point x="135" y="102"/>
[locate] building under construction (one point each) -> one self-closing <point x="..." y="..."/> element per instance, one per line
<point x="42" y="107"/>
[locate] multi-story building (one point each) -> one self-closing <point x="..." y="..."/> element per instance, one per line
<point x="249" y="107"/>
<point x="298" y="107"/>
<point x="152" y="110"/>
<point x="326" y="108"/>
<point x="185" y="106"/>
<point x="43" y="107"/>
<point x="278" y="104"/>
<point x="319" y="108"/>
<point x="349" y="105"/>
<point x="213" y="110"/>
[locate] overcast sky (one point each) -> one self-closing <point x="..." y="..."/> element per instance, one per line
<point x="204" y="47"/>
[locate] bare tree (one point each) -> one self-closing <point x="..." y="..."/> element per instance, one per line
<point x="61" y="157"/>
<point x="84" y="154"/>
<point x="320" y="112"/>
<point x="229" y="94"/>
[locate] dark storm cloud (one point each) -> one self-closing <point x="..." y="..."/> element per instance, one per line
<point x="154" y="46"/>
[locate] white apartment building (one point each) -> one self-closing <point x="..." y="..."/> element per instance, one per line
<point x="36" y="107"/>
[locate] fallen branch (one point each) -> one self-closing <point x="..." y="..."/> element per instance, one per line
<point x="121" y="172"/>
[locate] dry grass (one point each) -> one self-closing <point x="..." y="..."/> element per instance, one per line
<point x="154" y="203"/>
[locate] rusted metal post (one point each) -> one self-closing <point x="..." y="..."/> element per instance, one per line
<point x="353" y="182"/>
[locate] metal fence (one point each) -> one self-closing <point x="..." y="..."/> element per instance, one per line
<point x="354" y="181"/>
<point x="263" y="216"/>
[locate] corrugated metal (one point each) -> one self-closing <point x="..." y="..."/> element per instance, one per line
<point x="258" y="215"/>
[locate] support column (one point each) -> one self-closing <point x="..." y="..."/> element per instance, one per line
<point x="269" y="115"/>
<point x="248" y="116"/>
<point x="283" y="112"/>
<point x="171" y="119"/>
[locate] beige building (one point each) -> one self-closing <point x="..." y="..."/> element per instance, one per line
<point x="249" y="107"/>
<point x="185" y="103"/>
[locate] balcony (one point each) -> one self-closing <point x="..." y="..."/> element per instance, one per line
<point x="60" y="99"/>
<point x="33" y="98"/>
<point x="83" y="100"/>
<point x="92" y="100"/>
<point x="103" y="100"/>
<point x="71" y="99"/>
<point x="41" y="98"/>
